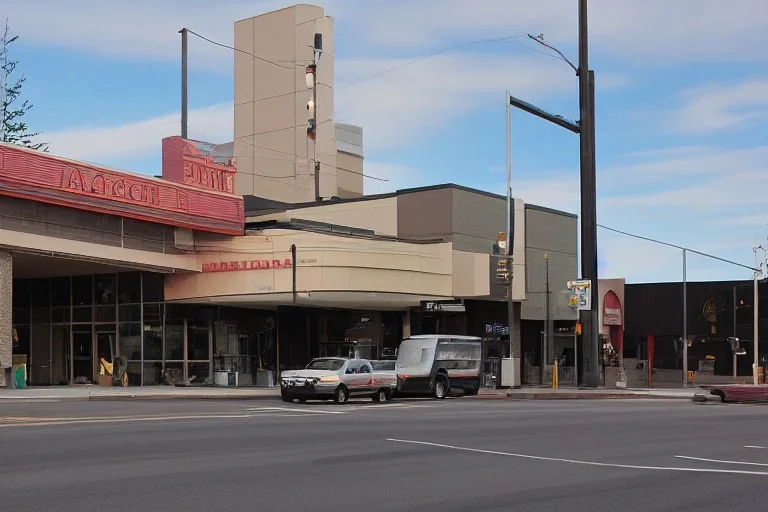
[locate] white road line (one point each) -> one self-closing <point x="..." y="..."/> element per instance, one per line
<point x="581" y="462"/>
<point x="288" y="409"/>
<point x="757" y="447"/>
<point x="718" y="461"/>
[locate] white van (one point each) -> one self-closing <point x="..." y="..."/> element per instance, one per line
<point x="434" y="364"/>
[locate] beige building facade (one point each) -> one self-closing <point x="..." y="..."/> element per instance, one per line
<point x="275" y="158"/>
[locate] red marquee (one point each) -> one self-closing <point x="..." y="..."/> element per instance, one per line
<point x="36" y="176"/>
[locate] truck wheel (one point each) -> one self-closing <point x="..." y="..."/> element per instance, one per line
<point x="442" y="387"/>
<point x="287" y="397"/>
<point x="381" y="396"/>
<point x="341" y="395"/>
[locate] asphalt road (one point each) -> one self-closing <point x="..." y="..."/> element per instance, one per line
<point x="480" y="455"/>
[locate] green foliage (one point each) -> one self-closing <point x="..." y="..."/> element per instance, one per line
<point x="13" y="129"/>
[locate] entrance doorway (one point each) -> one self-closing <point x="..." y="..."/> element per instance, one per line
<point x="82" y="353"/>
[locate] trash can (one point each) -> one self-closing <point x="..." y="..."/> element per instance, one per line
<point x="19" y="376"/>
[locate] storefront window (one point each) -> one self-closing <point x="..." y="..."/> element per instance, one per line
<point x="41" y="292"/>
<point x="130" y="341"/>
<point x="174" y="341"/>
<point x="129" y="288"/>
<point x="82" y="291"/>
<point x="153" y="373"/>
<point x="60" y="290"/>
<point x="152" y="287"/>
<point x="153" y="332"/>
<point x="197" y="340"/>
<point x="198" y="372"/>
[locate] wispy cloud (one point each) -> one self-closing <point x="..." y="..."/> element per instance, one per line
<point x="714" y="108"/>
<point x="140" y="138"/>
<point x="735" y="30"/>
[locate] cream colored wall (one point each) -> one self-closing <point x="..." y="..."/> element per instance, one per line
<point x="350" y="175"/>
<point x="325" y="263"/>
<point x="379" y="215"/>
<point x="471" y="274"/>
<point x="271" y="145"/>
<point x="48" y="245"/>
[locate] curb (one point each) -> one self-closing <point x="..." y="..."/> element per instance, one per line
<point x="579" y="396"/>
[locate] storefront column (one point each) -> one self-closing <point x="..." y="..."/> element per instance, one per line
<point x="407" y="323"/>
<point x="6" y="325"/>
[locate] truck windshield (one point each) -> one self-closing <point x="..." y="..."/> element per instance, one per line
<point x="332" y="365"/>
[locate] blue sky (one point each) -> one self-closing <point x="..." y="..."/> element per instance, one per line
<point x="682" y="103"/>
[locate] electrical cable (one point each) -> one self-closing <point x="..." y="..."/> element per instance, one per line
<point x="238" y="50"/>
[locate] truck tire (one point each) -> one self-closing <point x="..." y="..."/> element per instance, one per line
<point x="382" y="395"/>
<point x="341" y="395"/>
<point x="442" y="386"/>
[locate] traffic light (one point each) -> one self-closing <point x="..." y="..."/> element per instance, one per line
<point x="311" y="129"/>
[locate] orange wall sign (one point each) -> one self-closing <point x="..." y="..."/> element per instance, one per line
<point x="233" y="266"/>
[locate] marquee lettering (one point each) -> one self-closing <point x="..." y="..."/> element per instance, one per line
<point x="237" y="265"/>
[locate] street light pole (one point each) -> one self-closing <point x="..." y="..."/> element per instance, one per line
<point x="755" y="326"/>
<point x="514" y="333"/>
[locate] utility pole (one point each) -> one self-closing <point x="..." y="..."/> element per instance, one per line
<point x="548" y="349"/>
<point x="512" y="321"/>
<point x="588" y="202"/>
<point x="184" y="105"/>
<point x="317" y="50"/>
<point x="685" y="320"/>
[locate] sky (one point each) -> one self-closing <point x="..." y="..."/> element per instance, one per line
<point x="681" y="104"/>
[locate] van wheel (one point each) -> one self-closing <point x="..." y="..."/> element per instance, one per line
<point x="381" y="396"/>
<point x="341" y="395"/>
<point x="441" y="387"/>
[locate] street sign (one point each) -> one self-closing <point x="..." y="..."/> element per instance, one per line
<point x="581" y="291"/>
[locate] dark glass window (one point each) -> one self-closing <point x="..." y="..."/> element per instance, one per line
<point x="41" y="292"/>
<point x="130" y="341"/>
<point x="174" y="341"/>
<point x="82" y="314"/>
<point x="153" y="287"/>
<point x="153" y="332"/>
<point x="197" y="340"/>
<point x="60" y="291"/>
<point x="105" y="289"/>
<point x="21" y="293"/>
<point x="82" y="291"/>
<point x="130" y="313"/>
<point x="129" y="287"/>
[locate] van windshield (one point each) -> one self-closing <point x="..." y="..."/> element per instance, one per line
<point x="409" y="353"/>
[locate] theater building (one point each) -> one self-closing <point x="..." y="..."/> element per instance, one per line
<point x="227" y="263"/>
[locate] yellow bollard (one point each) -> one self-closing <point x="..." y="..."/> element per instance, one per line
<point x="555" y="377"/>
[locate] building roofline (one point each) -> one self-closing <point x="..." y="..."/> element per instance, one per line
<point x="399" y="192"/>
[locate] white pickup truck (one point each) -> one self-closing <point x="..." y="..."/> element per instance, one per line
<point x="338" y="379"/>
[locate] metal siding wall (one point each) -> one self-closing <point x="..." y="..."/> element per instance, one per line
<point x="425" y="214"/>
<point x="477" y="220"/>
<point x="555" y="235"/>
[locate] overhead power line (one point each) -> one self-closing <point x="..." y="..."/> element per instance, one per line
<point x="238" y="50"/>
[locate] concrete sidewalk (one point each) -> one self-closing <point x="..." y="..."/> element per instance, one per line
<point x="59" y="393"/>
<point x="590" y="394"/>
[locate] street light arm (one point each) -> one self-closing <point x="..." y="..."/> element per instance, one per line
<point x="565" y="59"/>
